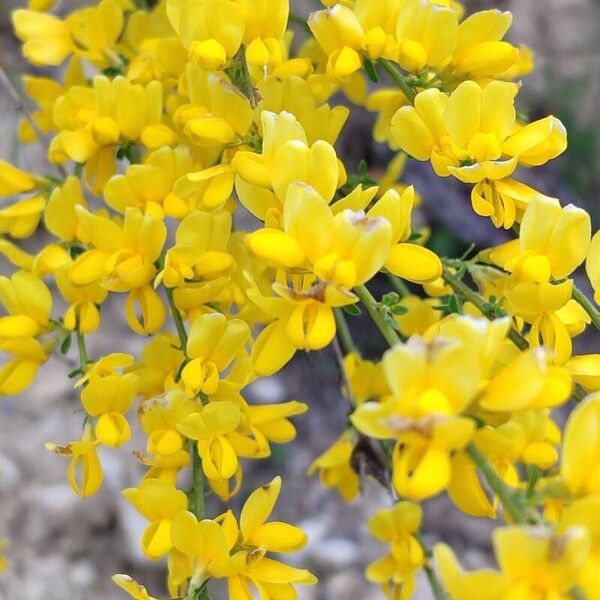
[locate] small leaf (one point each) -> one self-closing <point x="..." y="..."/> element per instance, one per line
<point x="352" y="309"/>
<point x="75" y="250"/>
<point x="454" y="305"/>
<point x="398" y="309"/>
<point x="390" y="299"/>
<point x="414" y="236"/>
<point x="371" y="72"/>
<point x="66" y="344"/>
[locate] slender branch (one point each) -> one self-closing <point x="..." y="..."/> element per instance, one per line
<point x="399" y="80"/>
<point x="461" y="288"/>
<point x="197" y="491"/>
<point x="587" y="305"/>
<point x="437" y="588"/>
<point x="20" y="106"/>
<point x="343" y="331"/>
<point x="372" y="306"/>
<point x="399" y="285"/>
<point x="83" y="354"/>
<point x="510" y="504"/>
<point x="181" y="332"/>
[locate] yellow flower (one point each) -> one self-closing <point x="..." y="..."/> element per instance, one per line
<point x="222" y="548"/>
<point x="28" y="303"/>
<point x="395" y="572"/>
<point x="85" y="470"/>
<point x="213" y="343"/>
<point x="263" y="424"/>
<point x="302" y="320"/>
<point x="46" y="39"/>
<point x="149" y="186"/>
<point x="535" y="562"/>
<point x="160" y="417"/>
<point x="200" y="250"/>
<point x="365" y="377"/>
<point x="426" y="33"/>
<point x="45" y="92"/>
<point x="109" y="398"/>
<point x="335" y="467"/>
<point x="158" y="502"/>
<point x="430" y="384"/>
<point x="584" y="512"/>
<point x="20" y="220"/>
<point x="295" y="96"/>
<point x="27" y="356"/>
<point x="210" y="426"/>
<point x="527" y="382"/>
<point x="419" y="316"/>
<point x="592" y="265"/>
<point x="134" y="589"/>
<point x="405" y="259"/>
<point x="553" y="241"/>
<point x="481" y="51"/>
<point x="158" y="366"/>
<point x="529" y="437"/>
<point x="82" y="313"/>
<point x="580" y="467"/>
<point x="122" y="257"/>
<point x="215" y="113"/>
<point x="472" y="133"/>
<point x="212" y="31"/>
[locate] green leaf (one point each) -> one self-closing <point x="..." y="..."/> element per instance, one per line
<point x="390" y="299"/>
<point x="75" y="250"/>
<point x="352" y="309"/>
<point x="371" y="72"/>
<point x="454" y="305"/>
<point x="66" y="344"/>
<point x="415" y="235"/>
<point x="398" y="309"/>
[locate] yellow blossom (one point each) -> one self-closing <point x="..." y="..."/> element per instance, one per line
<point x="158" y="502"/>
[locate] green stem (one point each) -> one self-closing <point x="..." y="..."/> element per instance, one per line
<point x="83" y="355"/>
<point x="398" y="79"/>
<point x="197" y="491"/>
<point x="501" y="490"/>
<point x="587" y="305"/>
<point x="399" y="285"/>
<point x="436" y="585"/>
<point x="372" y="306"/>
<point x="343" y="332"/>
<point x="578" y="594"/>
<point x="463" y="290"/>
<point x="181" y="332"/>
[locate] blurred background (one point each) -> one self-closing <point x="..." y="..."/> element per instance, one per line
<point x="63" y="547"/>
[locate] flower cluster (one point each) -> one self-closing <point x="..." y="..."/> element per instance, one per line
<point x="195" y="175"/>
